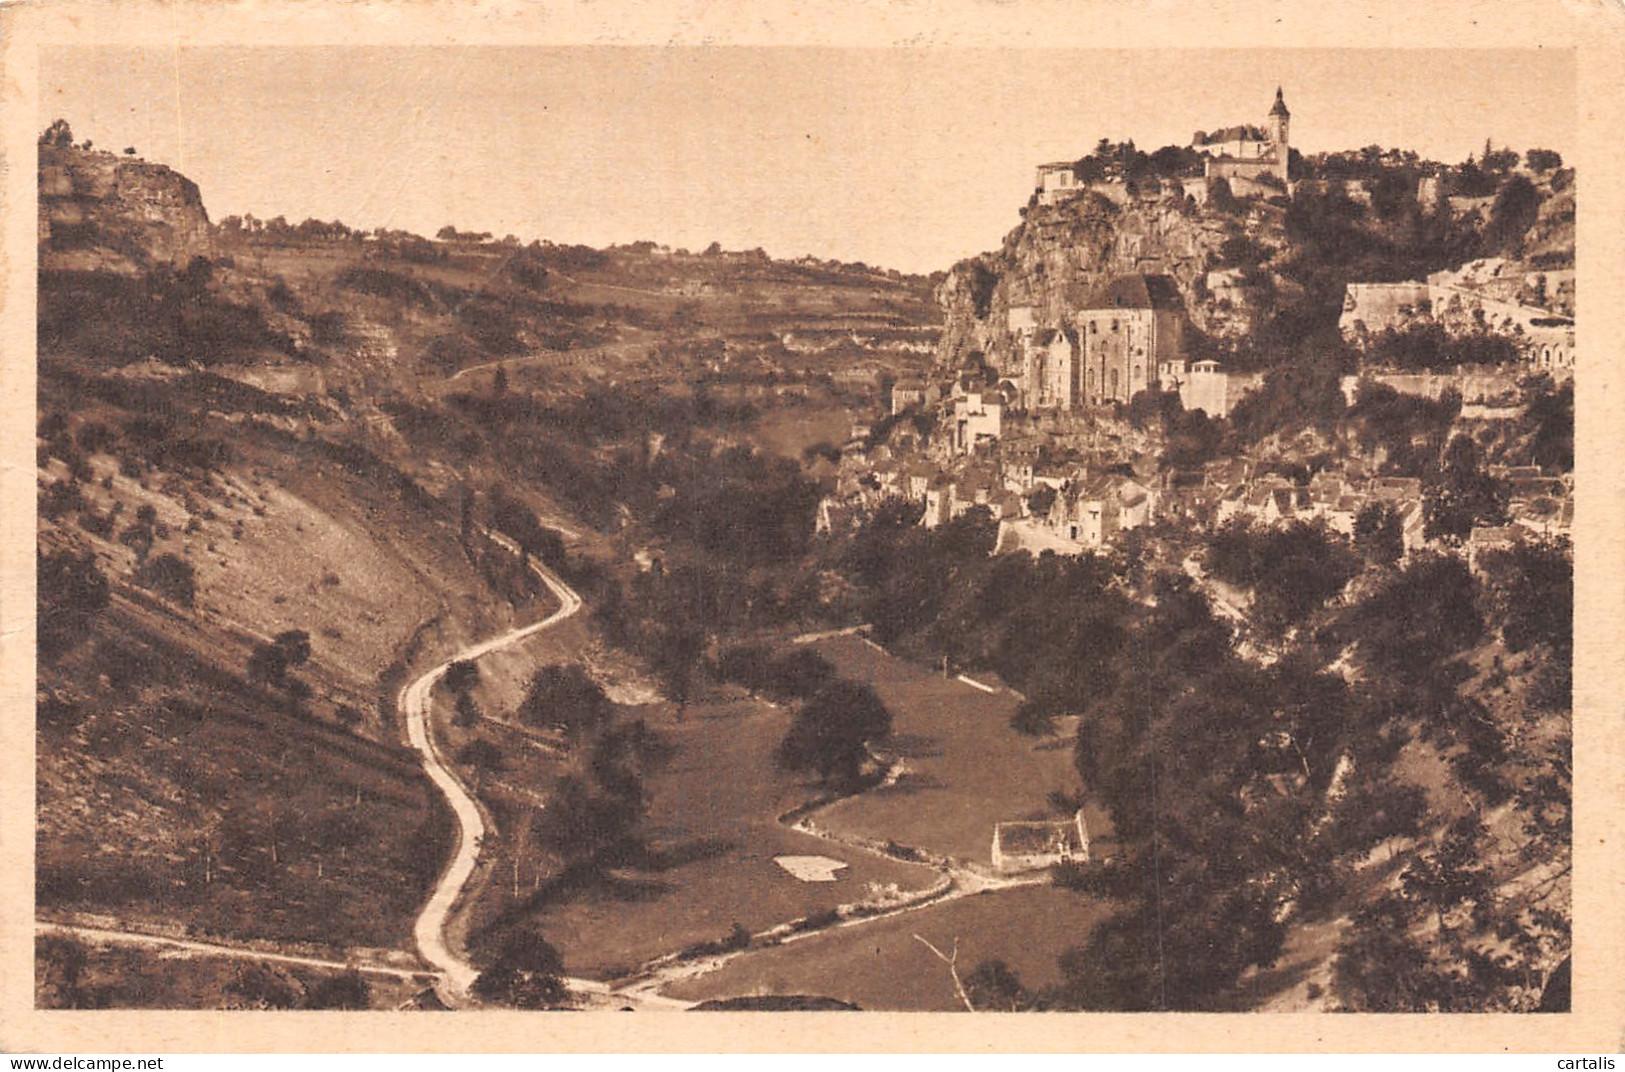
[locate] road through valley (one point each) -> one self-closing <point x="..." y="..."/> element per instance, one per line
<point x="415" y="700"/>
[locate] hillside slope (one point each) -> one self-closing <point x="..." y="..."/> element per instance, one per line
<point x="265" y="455"/>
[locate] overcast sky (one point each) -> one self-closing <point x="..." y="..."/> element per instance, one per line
<point x="910" y="159"/>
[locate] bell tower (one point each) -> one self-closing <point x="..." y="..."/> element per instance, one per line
<point x="1280" y="120"/>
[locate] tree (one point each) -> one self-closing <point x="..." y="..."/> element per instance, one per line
<point x="58" y="135"/>
<point x="1464" y="495"/>
<point x="520" y="524"/>
<point x="62" y="968"/>
<point x="527" y="974"/>
<point x="270" y="663"/>
<point x="799" y="674"/>
<point x="1414" y="627"/>
<point x="590" y="829"/>
<point x="1422" y="948"/>
<point x="499" y="382"/>
<point x="995" y="987"/>
<point x="468" y="712"/>
<point x="1543" y="160"/>
<point x="71" y="591"/>
<point x="1243" y="251"/>
<point x="1530" y="590"/>
<point x="346" y="991"/>
<point x="1497" y="160"/>
<point x="462" y="675"/>
<point x="171" y="577"/>
<point x="564" y="696"/>
<point x="262" y="986"/>
<point x="483" y="756"/>
<point x="1548" y="421"/>
<point x="1451" y="875"/>
<point x="1379" y="534"/>
<point x="1516" y="207"/>
<point x="832" y="730"/>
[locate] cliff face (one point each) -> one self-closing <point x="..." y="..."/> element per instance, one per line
<point x="98" y="211"/>
<point x="1062" y="252"/>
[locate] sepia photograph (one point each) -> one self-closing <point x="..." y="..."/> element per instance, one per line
<point x="633" y="527"/>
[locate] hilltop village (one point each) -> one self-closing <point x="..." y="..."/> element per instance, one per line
<point x="1170" y="608"/>
<point x="1077" y="397"/>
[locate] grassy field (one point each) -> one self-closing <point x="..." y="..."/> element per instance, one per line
<point x="966" y="769"/>
<point x="880" y="965"/>
<point x="712" y="817"/>
<point x="789" y="430"/>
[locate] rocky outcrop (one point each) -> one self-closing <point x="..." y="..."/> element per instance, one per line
<point x="101" y="212"/>
<point x="1061" y="253"/>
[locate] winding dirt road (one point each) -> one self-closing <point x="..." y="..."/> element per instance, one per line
<point x="430" y="929"/>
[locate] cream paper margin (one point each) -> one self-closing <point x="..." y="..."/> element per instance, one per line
<point x="1595" y="28"/>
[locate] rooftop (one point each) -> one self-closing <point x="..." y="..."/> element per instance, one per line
<point x="1137" y="291"/>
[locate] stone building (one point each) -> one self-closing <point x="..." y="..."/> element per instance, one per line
<point x="978" y="418"/>
<point x="1248" y="153"/>
<point x="1128" y="330"/>
<point x="1030" y="846"/>
<point x="1057" y="181"/>
<point x="1209" y="388"/>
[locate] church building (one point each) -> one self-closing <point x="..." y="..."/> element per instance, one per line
<point x="1127" y="331"/>
<point x="1248" y="153"/>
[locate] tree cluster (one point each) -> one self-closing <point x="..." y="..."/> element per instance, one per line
<point x="1291" y="571"/>
<point x="832" y="730"/>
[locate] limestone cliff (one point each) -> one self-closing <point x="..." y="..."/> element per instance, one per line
<point x="1060" y="253"/>
<point x="98" y="211"/>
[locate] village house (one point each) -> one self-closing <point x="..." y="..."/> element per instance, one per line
<point x="913" y="394"/>
<point x="1056" y="181"/>
<point x="1053" y="371"/>
<point x="978" y="418"/>
<point x="1092" y="513"/>
<point x="1334" y="501"/>
<point x="1545" y="517"/>
<point x="1053" y="476"/>
<point x="1187" y="495"/>
<point x="973" y="487"/>
<point x="939" y="501"/>
<point x="836" y="517"/>
<point x="1403" y="495"/>
<point x="1269" y="498"/>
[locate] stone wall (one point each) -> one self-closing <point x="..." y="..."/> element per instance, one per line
<point x="1475" y="385"/>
